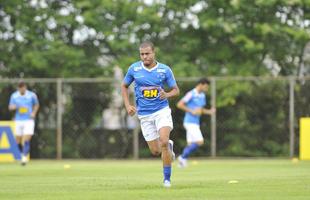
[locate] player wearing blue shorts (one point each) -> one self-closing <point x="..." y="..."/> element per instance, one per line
<point x="193" y="104"/>
<point x="26" y="105"/>
<point x="150" y="78"/>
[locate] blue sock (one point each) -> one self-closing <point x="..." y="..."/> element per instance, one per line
<point x="20" y="147"/>
<point x="189" y="149"/>
<point x="26" y="148"/>
<point x="167" y="172"/>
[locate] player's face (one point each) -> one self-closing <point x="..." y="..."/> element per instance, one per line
<point x="204" y="87"/>
<point x="22" y="89"/>
<point x="147" y="55"/>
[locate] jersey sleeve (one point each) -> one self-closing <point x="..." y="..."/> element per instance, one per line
<point x="187" y="97"/>
<point x="34" y="99"/>
<point x="12" y="100"/>
<point x="170" y="79"/>
<point x="129" y="78"/>
<point x="204" y="101"/>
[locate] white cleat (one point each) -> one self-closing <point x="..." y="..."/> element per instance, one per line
<point x="182" y="162"/>
<point x="167" y="184"/>
<point x="171" y="149"/>
<point x="24" y="160"/>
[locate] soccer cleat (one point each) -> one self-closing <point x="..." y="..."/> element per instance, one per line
<point x="171" y="149"/>
<point x="167" y="184"/>
<point x="182" y="162"/>
<point x="24" y="160"/>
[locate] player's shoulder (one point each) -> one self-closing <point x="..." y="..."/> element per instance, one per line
<point x="163" y="66"/>
<point x="31" y="93"/>
<point x="135" y="66"/>
<point x="202" y="95"/>
<point x="15" y="94"/>
<point x="191" y="92"/>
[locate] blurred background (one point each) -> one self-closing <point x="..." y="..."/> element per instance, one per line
<point x="73" y="54"/>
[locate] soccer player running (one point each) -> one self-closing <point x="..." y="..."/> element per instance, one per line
<point x="150" y="78"/>
<point x="193" y="104"/>
<point x="26" y="105"/>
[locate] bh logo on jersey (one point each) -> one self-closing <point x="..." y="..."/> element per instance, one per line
<point x="150" y="92"/>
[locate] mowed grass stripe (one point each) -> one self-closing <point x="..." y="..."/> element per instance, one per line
<point x="127" y="179"/>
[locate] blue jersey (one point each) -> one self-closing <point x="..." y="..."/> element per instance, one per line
<point x="148" y="83"/>
<point x="193" y="100"/>
<point x="24" y="104"/>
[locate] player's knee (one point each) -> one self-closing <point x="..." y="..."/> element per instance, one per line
<point x="155" y="152"/>
<point x="164" y="143"/>
<point x="200" y="143"/>
<point x="18" y="140"/>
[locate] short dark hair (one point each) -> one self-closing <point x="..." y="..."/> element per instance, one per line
<point x="203" y="81"/>
<point x="21" y="84"/>
<point x="147" y="44"/>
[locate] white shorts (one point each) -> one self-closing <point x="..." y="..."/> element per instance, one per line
<point x="24" y="127"/>
<point x="193" y="132"/>
<point x="150" y="124"/>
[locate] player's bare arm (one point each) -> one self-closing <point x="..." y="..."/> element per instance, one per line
<point x="172" y="93"/>
<point x="35" y="111"/>
<point x="182" y="106"/>
<point x="131" y="110"/>
<point x="210" y="111"/>
<point x="12" y="107"/>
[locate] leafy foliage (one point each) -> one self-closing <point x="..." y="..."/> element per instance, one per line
<point x="217" y="37"/>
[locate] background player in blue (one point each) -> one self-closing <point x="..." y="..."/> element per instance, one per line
<point x="26" y="105"/>
<point x="193" y="104"/>
<point x="150" y="78"/>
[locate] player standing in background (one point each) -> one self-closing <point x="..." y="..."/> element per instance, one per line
<point x="26" y="105"/>
<point x="154" y="113"/>
<point x="193" y="104"/>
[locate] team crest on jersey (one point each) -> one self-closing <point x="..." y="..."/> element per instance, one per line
<point x="150" y="92"/>
<point x="161" y="75"/>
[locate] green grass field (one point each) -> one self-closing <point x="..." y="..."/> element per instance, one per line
<point x="125" y="179"/>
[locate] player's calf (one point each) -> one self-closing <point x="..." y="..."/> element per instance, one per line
<point x="171" y="149"/>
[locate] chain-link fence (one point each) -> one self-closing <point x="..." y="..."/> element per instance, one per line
<point x="85" y="118"/>
<point x="93" y="121"/>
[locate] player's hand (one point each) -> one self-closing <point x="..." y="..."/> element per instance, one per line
<point x="12" y="107"/>
<point x="212" y="111"/>
<point x="163" y="94"/>
<point x="197" y="111"/>
<point x="33" y="115"/>
<point x="131" y="110"/>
